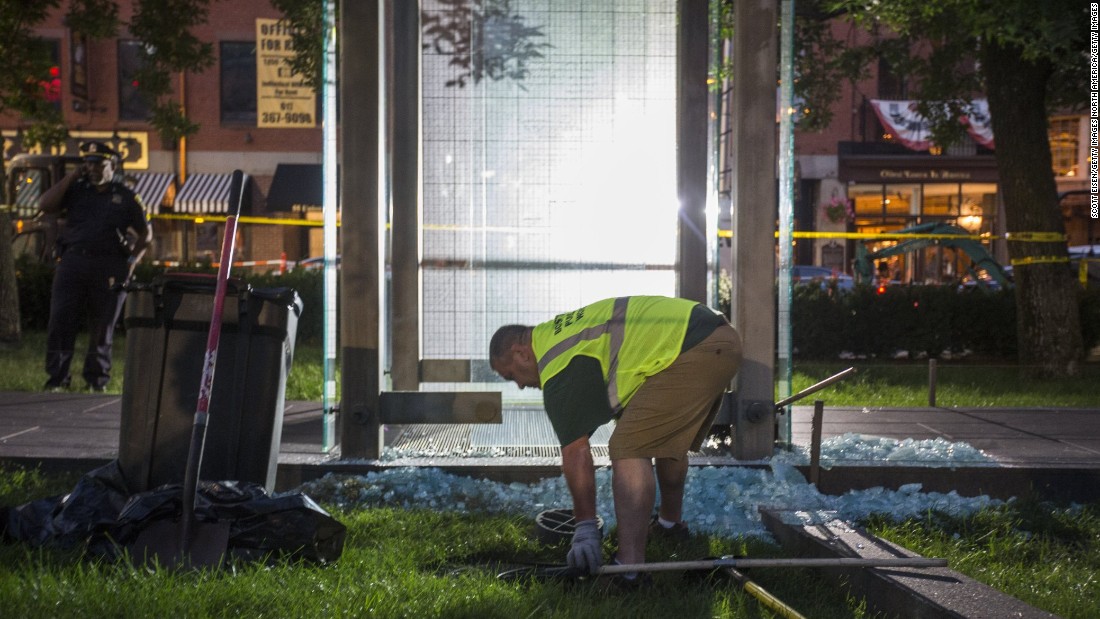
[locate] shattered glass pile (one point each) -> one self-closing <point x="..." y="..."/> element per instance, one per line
<point x="718" y="500"/>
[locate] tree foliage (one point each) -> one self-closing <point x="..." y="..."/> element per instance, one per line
<point x="307" y="21"/>
<point x="951" y="36"/>
<point x="170" y="46"/>
<point x="1029" y="60"/>
<point x="20" y="90"/>
<point x="165" y="26"/>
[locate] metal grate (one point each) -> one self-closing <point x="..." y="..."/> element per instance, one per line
<point x="525" y="432"/>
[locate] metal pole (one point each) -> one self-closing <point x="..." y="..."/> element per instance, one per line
<point x="329" y="208"/>
<point x="931" y="382"/>
<point x="747" y="563"/>
<point x="786" y="210"/>
<point x="815" y="441"/>
<point x="816" y="387"/>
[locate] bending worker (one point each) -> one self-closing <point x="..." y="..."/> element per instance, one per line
<point x="104" y="235"/>
<point x="659" y="367"/>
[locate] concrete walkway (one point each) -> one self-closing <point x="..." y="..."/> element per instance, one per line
<point x="1053" y="448"/>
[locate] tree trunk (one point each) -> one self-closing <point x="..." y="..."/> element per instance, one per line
<point x="9" y="292"/>
<point x="1048" y="320"/>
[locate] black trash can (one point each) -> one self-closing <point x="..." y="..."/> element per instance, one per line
<point x="167" y="327"/>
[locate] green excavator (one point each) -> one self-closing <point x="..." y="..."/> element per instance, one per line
<point x="982" y="260"/>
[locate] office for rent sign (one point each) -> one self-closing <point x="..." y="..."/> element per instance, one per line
<point x="283" y="99"/>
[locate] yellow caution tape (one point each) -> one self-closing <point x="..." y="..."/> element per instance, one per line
<point x="874" y="236"/>
<point x="198" y="219"/>
<point x="1039" y="260"/>
<point x="1035" y="237"/>
<point x="1021" y="237"/>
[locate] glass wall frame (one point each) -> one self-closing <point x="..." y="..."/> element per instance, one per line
<point x="548" y="175"/>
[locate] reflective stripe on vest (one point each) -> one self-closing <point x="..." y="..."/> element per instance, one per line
<point x="615" y="327"/>
<point x="633" y="338"/>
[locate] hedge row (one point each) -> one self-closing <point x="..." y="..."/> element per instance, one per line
<point x="35" y="279"/>
<point x="917" y="319"/>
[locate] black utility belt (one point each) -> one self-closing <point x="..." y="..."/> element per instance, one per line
<point x="93" y="252"/>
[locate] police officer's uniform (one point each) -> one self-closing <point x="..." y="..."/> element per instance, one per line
<point x="93" y="263"/>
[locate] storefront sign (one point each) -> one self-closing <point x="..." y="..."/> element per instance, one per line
<point x="133" y="146"/>
<point x="927" y="169"/>
<point x="888" y="174"/>
<point x="283" y="99"/>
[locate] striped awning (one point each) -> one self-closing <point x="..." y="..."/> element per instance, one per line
<point x="155" y="189"/>
<point x="206" y="193"/>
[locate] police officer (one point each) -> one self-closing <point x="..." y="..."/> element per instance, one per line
<point x="104" y="235"/>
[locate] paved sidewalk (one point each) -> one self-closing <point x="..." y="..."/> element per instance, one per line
<point x="1050" y="445"/>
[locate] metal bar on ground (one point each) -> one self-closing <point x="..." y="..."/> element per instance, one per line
<point x="815" y="388"/>
<point x="710" y="564"/>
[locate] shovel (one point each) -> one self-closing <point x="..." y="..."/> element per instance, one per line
<point x="190" y="544"/>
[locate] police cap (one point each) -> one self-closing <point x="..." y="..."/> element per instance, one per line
<point x="97" y="149"/>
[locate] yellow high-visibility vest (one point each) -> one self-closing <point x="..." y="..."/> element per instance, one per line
<point x="633" y="338"/>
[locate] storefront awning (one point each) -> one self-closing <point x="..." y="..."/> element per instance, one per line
<point x="155" y="189"/>
<point x="208" y="194"/>
<point x="295" y="186"/>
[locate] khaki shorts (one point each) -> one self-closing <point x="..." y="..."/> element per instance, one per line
<point x="672" y="412"/>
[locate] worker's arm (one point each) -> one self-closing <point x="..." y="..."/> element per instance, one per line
<point x="580" y="476"/>
<point x="585" y="553"/>
<point x="51" y="202"/>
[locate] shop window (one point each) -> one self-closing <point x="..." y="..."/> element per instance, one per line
<point x="132" y="105"/>
<point x="979" y="205"/>
<point x="902" y="200"/>
<point x="238" y="82"/>
<point x="868" y="200"/>
<point x="1063" y="144"/>
<point x="48" y="82"/>
<point x="940" y="200"/>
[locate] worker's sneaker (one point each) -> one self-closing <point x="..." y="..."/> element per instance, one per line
<point x="624" y="583"/>
<point x="678" y="532"/>
<point x="620" y="584"/>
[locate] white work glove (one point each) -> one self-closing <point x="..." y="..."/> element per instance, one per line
<point x="585" y="553"/>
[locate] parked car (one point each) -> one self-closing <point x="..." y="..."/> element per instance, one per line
<point x="1091" y="254"/>
<point x="35" y="238"/>
<point x="807" y="274"/>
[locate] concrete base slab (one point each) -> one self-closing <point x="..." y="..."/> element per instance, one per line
<point x="895" y="592"/>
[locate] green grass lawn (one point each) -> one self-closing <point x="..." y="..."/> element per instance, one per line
<point x="420" y="563"/>
<point x="962" y="384"/>
<point x="396" y="563"/>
